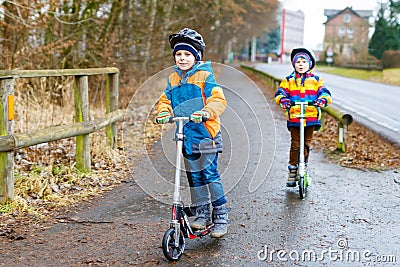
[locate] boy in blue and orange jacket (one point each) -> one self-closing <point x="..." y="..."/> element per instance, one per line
<point x="301" y="85"/>
<point x="192" y="91"/>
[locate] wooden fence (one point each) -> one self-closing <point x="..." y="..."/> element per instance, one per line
<point x="344" y="119"/>
<point x="9" y="142"/>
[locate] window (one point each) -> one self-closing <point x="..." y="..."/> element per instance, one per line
<point x="342" y="31"/>
<point x="350" y="33"/>
<point x="346" y="18"/>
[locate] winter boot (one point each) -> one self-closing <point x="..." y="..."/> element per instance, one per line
<point x="292" y="179"/>
<point x="203" y="218"/>
<point x="220" y="220"/>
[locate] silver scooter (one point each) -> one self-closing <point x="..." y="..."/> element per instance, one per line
<point x="173" y="243"/>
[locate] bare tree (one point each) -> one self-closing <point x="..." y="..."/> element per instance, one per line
<point x="129" y="34"/>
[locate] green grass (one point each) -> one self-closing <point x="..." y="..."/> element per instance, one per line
<point x="370" y="75"/>
<point x="388" y="76"/>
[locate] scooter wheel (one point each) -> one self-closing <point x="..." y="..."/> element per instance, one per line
<point x="302" y="188"/>
<point x="171" y="251"/>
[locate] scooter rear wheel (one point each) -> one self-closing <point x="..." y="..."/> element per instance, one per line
<point x="302" y="187"/>
<point x="171" y="251"/>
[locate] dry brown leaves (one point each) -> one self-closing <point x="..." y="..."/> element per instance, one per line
<point x="364" y="148"/>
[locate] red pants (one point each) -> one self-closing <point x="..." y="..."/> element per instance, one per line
<point x="295" y="143"/>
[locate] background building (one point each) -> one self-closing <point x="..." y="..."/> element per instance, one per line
<point x="346" y="34"/>
<point x="292" y="32"/>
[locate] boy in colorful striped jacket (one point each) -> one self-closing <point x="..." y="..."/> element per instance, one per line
<point x="301" y="85"/>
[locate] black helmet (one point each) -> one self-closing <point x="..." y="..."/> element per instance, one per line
<point x="188" y="36"/>
<point x="308" y="52"/>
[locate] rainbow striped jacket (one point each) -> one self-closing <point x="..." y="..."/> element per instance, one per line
<point x="307" y="88"/>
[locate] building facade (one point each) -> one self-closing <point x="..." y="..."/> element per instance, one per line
<point x="346" y="34"/>
<point x="292" y="32"/>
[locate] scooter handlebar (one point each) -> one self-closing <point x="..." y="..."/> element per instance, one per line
<point x="175" y="119"/>
<point x="308" y="103"/>
<point x="299" y="103"/>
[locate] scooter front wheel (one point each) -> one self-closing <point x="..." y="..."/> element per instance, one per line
<point x="171" y="251"/>
<point x="302" y="187"/>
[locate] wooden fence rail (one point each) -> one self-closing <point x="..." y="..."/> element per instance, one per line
<point x="21" y="140"/>
<point x="80" y="129"/>
<point x="344" y="119"/>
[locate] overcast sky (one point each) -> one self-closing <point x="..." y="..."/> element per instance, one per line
<point x="314" y="15"/>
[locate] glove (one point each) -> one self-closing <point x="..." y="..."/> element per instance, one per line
<point x="163" y="117"/>
<point x="284" y="103"/>
<point x="321" y="102"/>
<point x="197" y="116"/>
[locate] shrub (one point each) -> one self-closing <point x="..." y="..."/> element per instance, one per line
<point x="391" y="59"/>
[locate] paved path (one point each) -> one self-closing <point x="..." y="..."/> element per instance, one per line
<point x="349" y="218"/>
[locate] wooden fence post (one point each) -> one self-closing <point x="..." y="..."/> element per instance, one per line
<point x="344" y="120"/>
<point x="81" y="99"/>
<point x="112" y="105"/>
<point x="322" y="128"/>
<point x="7" y="128"/>
<point x="342" y="134"/>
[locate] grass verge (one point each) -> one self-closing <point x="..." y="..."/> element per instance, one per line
<point x="389" y="76"/>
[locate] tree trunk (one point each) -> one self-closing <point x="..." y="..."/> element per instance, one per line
<point x="147" y="48"/>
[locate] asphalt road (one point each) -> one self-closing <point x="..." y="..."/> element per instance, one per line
<point x="372" y="104"/>
<point x="349" y="218"/>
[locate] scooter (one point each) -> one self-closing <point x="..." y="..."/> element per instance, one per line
<point x="173" y="243"/>
<point x="302" y="175"/>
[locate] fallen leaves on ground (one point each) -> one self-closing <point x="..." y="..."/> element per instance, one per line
<point x="364" y="148"/>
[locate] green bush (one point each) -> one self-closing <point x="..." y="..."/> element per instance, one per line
<point x="391" y="59"/>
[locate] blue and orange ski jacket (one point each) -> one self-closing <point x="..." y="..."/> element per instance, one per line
<point x="191" y="91"/>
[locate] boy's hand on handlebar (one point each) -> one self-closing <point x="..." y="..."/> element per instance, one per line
<point x="199" y="116"/>
<point x="321" y="102"/>
<point x="163" y="117"/>
<point x="284" y="103"/>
